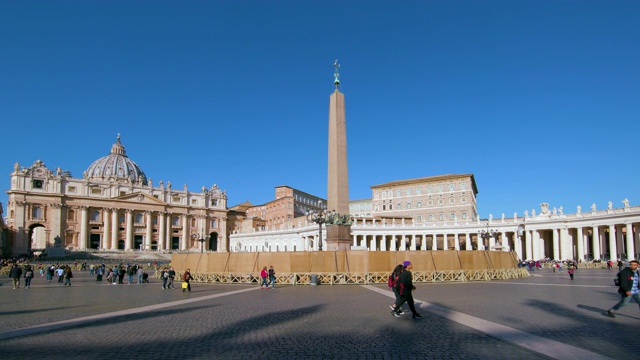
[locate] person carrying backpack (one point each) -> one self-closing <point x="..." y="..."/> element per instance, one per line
<point x="628" y="288"/>
<point x="393" y="280"/>
<point x="405" y="287"/>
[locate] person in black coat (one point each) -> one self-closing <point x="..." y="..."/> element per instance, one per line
<point x="15" y="273"/>
<point x="628" y="287"/>
<point x="405" y="287"/>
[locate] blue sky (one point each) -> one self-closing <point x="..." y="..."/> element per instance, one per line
<point x="538" y="99"/>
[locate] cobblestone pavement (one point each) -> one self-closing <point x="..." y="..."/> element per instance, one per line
<point x="218" y="321"/>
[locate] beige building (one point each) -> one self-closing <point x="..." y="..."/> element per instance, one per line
<point x="113" y="206"/>
<point x="288" y="204"/>
<point x="427" y="200"/>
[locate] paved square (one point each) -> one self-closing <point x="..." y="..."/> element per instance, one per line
<point x="544" y="316"/>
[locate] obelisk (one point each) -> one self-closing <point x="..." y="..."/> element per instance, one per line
<point x="338" y="236"/>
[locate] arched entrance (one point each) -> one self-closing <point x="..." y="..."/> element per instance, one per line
<point x="37" y="238"/>
<point x="213" y="242"/>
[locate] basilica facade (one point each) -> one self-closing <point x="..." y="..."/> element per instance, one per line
<point x="113" y="206"/>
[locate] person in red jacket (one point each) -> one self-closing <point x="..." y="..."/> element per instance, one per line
<point x="263" y="275"/>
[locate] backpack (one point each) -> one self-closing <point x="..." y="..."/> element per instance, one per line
<point x="616" y="280"/>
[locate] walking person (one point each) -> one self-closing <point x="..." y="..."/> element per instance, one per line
<point x="393" y="281"/>
<point x="140" y="272"/>
<point x="628" y="287"/>
<point x="67" y="276"/>
<point x="15" y="273"/>
<point x="263" y="275"/>
<point x="186" y="277"/>
<point x="272" y="277"/>
<point x="171" y="275"/>
<point x="405" y="287"/>
<point x="165" y="277"/>
<point x="620" y="265"/>
<point x="570" y="271"/>
<point x="28" y="275"/>
<point x="60" y="273"/>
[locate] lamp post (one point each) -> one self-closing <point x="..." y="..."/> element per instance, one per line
<point x="318" y="217"/>
<point x="486" y="235"/>
<point x="202" y="238"/>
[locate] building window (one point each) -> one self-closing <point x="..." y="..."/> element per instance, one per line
<point x="430" y="217"/>
<point x="429" y="190"/>
<point x="451" y="187"/>
<point x="176" y="199"/>
<point x="463" y="186"/>
<point x="72" y="189"/>
<point x="419" y="204"/>
<point x="441" y="217"/>
<point x="464" y="200"/>
<point x="95" y="215"/>
<point x="397" y="193"/>
<point x="155" y="220"/>
<point x="384" y="207"/>
<point x="384" y="195"/>
<point x="194" y="202"/>
<point x="37" y="184"/>
<point x="399" y="206"/>
<point x="418" y="191"/>
<point x="123" y="193"/>
<point x="121" y="219"/>
<point x="429" y="203"/>
<point x="96" y="191"/>
<point x="452" y="216"/>
<point x="464" y="215"/>
<point x="71" y="215"/>
<point x="138" y="218"/>
<point x="390" y="193"/>
<point x="376" y="195"/>
<point x="37" y="213"/>
<point x="439" y="188"/>
<point x="408" y="192"/>
<point x="156" y="196"/>
<point x="409" y="205"/>
<point x="214" y="223"/>
<point x="419" y="218"/>
<point x="440" y="203"/>
<point x="452" y="201"/>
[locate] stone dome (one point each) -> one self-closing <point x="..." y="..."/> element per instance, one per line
<point x="116" y="166"/>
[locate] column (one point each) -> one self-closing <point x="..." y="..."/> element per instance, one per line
<point x="115" y="227"/>
<point x="149" y="235"/>
<point x="535" y="244"/>
<point x="128" y="244"/>
<point x="383" y="242"/>
<point x="596" y="243"/>
<point x="613" y="248"/>
<point x="413" y="242"/>
<point x="456" y="240"/>
<point x="505" y="241"/>
<point x="566" y="248"/>
<point x="84" y="227"/>
<point x="580" y="243"/>
<point x="528" y="245"/>
<point x="467" y="241"/>
<point x="492" y="243"/>
<point x="162" y="227"/>
<point x="394" y="243"/>
<point x="57" y="225"/>
<point x="106" y="235"/>
<point x="169" y="233"/>
<point x="517" y="243"/>
<point x="423" y="245"/>
<point x="184" y="240"/>
<point x="445" y="244"/>
<point x="630" y="248"/>
<point x="556" y="244"/>
<point x="434" y="242"/>
<point x="403" y="242"/>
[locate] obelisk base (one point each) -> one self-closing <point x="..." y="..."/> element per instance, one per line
<point x="339" y="237"/>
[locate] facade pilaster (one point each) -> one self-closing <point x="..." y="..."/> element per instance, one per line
<point x="149" y="235"/>
<point x="184" y="241"/>
<point x="57" y="225"/>
<point x="115" y="229"/>
<point x="128" y="244"/>
<point x="162" y="227"/>
<point x="106" y="228"/>
<point x="84" y="227"/>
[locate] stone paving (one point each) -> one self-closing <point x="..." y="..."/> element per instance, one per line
<point x="217" y="321"/>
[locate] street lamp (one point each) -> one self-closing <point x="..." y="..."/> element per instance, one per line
<point x="318" y="217"/>
<point x="202" y="238"/>
<point x="486" y="235"/>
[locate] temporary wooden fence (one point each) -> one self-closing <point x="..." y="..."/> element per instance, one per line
<point x="348" y="267"/>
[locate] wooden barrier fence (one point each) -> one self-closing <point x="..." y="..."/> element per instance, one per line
<point x="348" y="267"/>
